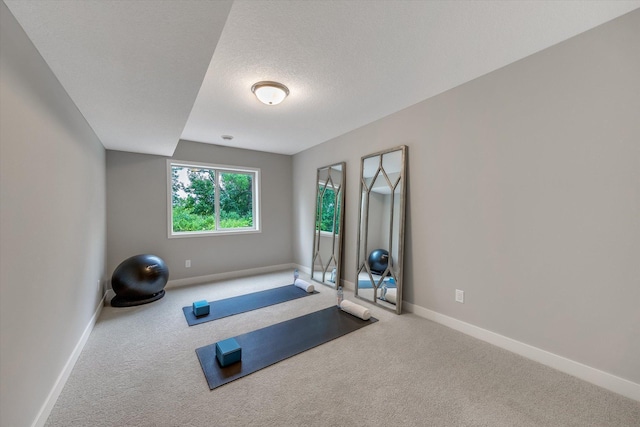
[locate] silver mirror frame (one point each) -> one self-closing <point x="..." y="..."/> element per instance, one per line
<point x="363" y="224"/>
<point x="337" y="233"/>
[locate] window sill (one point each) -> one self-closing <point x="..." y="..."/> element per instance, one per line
<point x="187" y="234"/>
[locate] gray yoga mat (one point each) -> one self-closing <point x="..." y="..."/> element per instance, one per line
<point x="243" y="303"/>
<point x="266" y="346"/>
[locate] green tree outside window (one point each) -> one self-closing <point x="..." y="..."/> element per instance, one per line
<point x="195" y="192"/>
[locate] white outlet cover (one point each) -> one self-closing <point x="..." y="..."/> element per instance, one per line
<point x="459" y="296"/>
<point x="187" y="263"/>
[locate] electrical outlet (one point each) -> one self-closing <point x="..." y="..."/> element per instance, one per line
<point x="459" y="296"/>
<point x="187" y="263"/>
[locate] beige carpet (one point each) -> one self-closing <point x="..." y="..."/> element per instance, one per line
<point x="139" y="368"/>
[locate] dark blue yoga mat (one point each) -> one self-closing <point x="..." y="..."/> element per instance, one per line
<point x="243" y="303"/>
<point x="266" y="346"/>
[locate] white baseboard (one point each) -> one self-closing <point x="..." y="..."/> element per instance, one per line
<point x="51" y="399"/>
<point x="595" y="376"/>
<point x="230" y="275"/>
<point x="108" y="296"/>
<point x="350" y="286"/>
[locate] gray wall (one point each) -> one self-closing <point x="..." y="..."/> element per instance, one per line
<point x="52" y="249"/>
<point x="523" y="191"/>
<point x="137" y="213"/>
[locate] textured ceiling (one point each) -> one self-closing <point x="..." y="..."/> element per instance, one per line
<point x="134" y="68"/>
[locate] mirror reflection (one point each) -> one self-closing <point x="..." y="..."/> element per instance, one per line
<point x="329" y="219"/>
<point x="381" y="228"/>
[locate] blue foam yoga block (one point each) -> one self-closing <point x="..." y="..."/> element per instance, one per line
<point x="201" y="308"/>
<point x="228" y="351"/>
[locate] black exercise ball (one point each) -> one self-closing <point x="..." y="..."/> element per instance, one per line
<point x="139" y="280"/>
<point x="378" y="261"/>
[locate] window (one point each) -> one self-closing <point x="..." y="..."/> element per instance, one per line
<point x="209" y="199"/>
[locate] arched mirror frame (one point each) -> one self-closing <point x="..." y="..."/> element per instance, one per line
<point x="322" y="266"/>
<point x="394" y="267"/>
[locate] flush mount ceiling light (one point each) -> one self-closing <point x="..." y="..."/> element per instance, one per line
<point x="270" y="93"/>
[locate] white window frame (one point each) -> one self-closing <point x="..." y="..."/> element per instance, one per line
<point x="219" y="169"/>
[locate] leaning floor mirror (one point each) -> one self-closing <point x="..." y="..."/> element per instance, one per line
<point x="381" y="228"/>
<point x="329" y="224"/>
